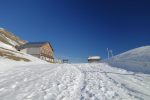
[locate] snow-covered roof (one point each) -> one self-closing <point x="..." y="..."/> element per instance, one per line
<point x="94" y="57"/>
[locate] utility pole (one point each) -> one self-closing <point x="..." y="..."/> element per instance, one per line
<point x="108" y="53"/>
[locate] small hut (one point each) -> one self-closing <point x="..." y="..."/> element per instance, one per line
<point x="65" y="61"/>
<point x="92" y="59"/>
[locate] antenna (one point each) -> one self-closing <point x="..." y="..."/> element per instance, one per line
<point x="108" y="53"/>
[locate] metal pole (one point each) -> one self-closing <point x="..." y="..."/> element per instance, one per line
<point x="108" y="52"/>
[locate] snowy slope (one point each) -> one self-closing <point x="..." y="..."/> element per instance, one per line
<point x="24" y="77"/>
<point x="9" y="38"/>
<point x="137" y="60"/>
<point x="73" y="82"/>
<point x="6" y="46"/>
<point x="10" y="57"/>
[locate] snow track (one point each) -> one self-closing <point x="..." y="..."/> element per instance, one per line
<point x="73" y="82"/>
<point x="99" y="84"/>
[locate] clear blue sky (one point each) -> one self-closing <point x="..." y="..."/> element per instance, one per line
<point x="79" y="28"/>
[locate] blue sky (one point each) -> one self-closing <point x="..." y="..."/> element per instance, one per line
<point x="79" y="28"/>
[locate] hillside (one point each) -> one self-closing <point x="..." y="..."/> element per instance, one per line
<point x="9" y="38"/>
<point x="24" y="77"/>
<point x="9" y="56"/>
<point x="137" y="60"/>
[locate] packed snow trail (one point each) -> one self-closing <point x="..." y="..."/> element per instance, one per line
<point x="102" y="82"/>
<point x="73" y="82"/>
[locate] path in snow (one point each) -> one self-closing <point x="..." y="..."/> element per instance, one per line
<point x="73" y="82"/>
<point x="102" y="82"/>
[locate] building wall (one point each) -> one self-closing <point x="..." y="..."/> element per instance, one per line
<point x="46" y="49"/>
<point x="33" y="51"/>
<point x="36" y="55"/>
<point x="24" y="50"/>
<point x="45" y="52"/>
<point x="93" y="60"/>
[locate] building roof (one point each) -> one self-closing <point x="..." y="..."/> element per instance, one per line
<point x="33" y="44"/>
<point x="94" y="57"/>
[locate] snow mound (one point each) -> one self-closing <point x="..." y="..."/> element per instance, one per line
<point x="137" y="60"/>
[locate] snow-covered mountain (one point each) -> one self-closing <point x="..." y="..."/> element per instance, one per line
<point x="9" y="38"/>
<point x="137" y="60"/>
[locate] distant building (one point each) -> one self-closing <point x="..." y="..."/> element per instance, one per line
<point x="94" y="59"/>
<point x="65" y="61"/>
<point x="42" y="50"/>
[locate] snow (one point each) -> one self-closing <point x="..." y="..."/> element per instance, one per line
<point x="6" y="46"/>
<point x="94" y="57"/>
<point x="39" y="80"/>
<point x="73" y="82"/>
<point x="11" y="41"/>
<point x="2" y="28"/>
<point x="6" y="64"/>
<point x="137" y="60"/>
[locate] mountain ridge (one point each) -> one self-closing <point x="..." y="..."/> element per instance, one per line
<point x="9" y="38"/>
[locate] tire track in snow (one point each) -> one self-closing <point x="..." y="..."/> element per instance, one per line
<point x="41" y="83"/>
<point x="99" y="86"/>
<point x="65" y="82"/>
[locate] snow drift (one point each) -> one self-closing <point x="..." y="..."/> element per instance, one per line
<point x="137" y="60"/>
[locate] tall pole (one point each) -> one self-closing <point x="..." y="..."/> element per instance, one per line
<point x="108" y="53"/>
